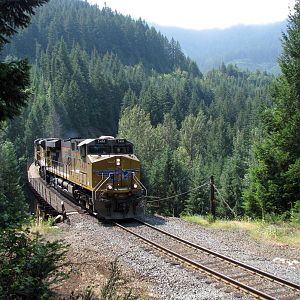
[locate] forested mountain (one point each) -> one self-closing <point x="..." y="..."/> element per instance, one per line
<point x="253" y="47"/>
<point x="96" y="72"/>
<point x="77" y="22"/>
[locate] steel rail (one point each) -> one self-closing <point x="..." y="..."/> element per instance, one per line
<point x="238" y="284"/>
<point x="231" y="260"/>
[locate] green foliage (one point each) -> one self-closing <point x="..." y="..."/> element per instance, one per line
<point x="295" y="213"/>
<point x="14" y="78"/>
<point x="162" y="169"/>
<point x="138" y="121"/>
<point x="110" y="291"/>
<point x="232" y="178"/>
<point x="78" y="22"/>
<point x="274" y="178"/>
<point x="214" y="139"/>
<point x="210" y="219"/>
<point x="29" y="265"/>
<point x="14" y="75"/>
<point x="93" y="76"/>
<point x="12" y="200"/>
<point x="15" y="14"/>
<point x="192" y="135"/>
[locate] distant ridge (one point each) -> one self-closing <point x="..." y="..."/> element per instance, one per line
<point x="77" y="22"/>
<point x="249" y="47"/>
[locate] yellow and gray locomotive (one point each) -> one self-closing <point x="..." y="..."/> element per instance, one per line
<point x="102" y="174"/>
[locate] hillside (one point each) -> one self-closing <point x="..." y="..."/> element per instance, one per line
<point x="106" y="31"/>
<point x="249" y="47"/>
<point x="96" y="72"/>
<point x="222" y="144"/>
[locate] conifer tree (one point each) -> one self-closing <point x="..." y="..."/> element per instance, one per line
<point x="14" y="75"/>
<point x="12" y="202"/>
<point x="275" y="178"/>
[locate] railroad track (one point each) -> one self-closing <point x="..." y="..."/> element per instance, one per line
<point x="253" y="281"/>
<point x="49" y="198"/>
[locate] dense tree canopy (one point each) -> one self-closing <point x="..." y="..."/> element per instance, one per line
<point x="96" y="72"/>
<point x="14" y="75"/>
<point x="77" y="22"/>
<point x="28" y="264"/>
<point x="275" y="177"/>
<point x="16" y="14"/>
<point x="12" y="203"/>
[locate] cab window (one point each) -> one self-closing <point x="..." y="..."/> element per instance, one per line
<point x="124" y="149"/>
<point x="99" y="149"/>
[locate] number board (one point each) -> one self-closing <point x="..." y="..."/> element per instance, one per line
<point x="101" y="141"/>
<point x="121" y="141"/>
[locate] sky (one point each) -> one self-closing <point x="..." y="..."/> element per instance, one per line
<point x="202" y="14"/>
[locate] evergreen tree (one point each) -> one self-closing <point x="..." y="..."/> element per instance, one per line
<point x="93" y="66"/>
<point x="14" y="75"/>
<point x="12" y="200"/>
<point x="232" y="179"/>
<point x="16" y="14"/>
<point x="135" y="125"/>
<point x="29" y="265"/>
<point x="276" y="175"/>
<point x="192" y="135"/>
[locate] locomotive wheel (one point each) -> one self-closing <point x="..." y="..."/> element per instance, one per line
<point x="91" y="208"/>
<point x="82" y="204"/>
<point x="76" y="196"/>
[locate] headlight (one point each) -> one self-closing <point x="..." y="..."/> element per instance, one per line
<point x="135" y="186"/>
<point x="109" y="187"/>
<point x="118" y="161"/>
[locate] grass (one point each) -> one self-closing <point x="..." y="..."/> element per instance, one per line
<point x="266" y="232"/>
<point x="44" y="227"/>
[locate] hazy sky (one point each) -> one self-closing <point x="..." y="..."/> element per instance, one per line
<point x="202" y="14"/>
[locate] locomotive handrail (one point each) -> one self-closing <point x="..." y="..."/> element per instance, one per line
<point x="98" y="184"/>
<point x="97" y="188"/>
<point x="59" y="167"/>
<point x="139" y="182"/>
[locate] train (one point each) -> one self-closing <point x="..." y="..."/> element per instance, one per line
<point x="102" y="175"/>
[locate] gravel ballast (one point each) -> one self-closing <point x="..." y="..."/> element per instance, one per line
<point x="94" y="244"/>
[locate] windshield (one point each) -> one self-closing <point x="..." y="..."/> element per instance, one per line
<point x="124" y="149"/>
<point x="107" y="149"/>
<point x="99" y="149"/>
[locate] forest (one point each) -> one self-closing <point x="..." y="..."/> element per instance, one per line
<point x="96" y="72"/>
<point x="68" y="69"/>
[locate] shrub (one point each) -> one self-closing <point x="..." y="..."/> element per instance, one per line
<point x="29" y="265"/>
<point x="110" y="290"/>
<point x="295" y="213"/>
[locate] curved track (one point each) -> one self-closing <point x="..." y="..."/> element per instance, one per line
<point x="49" y="197"/>
<point x="253" y="281"/>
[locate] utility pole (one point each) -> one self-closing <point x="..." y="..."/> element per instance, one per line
<point x="212" y="197"/>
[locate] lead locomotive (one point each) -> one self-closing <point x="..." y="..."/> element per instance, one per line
<point x="102" y="174"/>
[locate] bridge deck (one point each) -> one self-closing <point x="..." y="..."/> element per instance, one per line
<point x="49" y="194"/>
